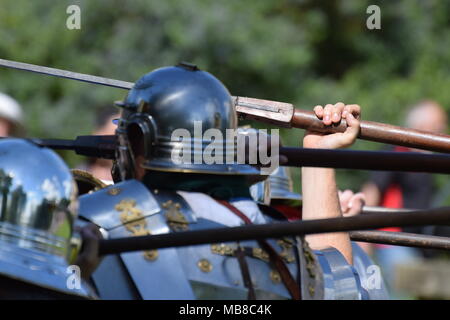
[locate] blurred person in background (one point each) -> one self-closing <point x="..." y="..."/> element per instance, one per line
<point x="104" y="125"/>
<point x="11" y="116"/>
<point x="405" y="190"/>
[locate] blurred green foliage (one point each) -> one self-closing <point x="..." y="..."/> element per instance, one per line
<point x="307" y="52"/>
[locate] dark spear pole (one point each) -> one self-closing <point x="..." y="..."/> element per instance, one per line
<point x="401" y="239"/>
<point x="104" y="147"/>
<point x="439" y="216"/>
<point x="366" y="160"/>
<point x="89" y="146"/>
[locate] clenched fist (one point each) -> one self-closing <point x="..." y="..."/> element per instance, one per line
<point x="333" y="114"/>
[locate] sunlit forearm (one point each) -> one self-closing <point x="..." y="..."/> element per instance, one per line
<point x="320" y="201"/>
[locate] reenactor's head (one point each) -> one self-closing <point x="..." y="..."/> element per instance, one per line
<point x="37" y="213"/>
<point x="427" y="115"/>
<point x="166" y="128"/>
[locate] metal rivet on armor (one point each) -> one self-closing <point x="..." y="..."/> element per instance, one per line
<point x="205" y="265"/>
<point x="151" y="255"/>
<point x="114" y="191"/>
<point x="222" y="249"/>
<point x="260" y="254"/>
<point x="166" y="204"/>
<point x="275" y="276"/>
<point x="310" y="262"/>
<point x="311" y="291"/>
<point x="175" y="218"/>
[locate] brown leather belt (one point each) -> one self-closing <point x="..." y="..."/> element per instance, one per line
<point x="288" y="280"/>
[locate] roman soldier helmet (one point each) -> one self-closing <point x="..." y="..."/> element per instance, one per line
<point x="278" y="186"/>
<point x="179" y="99"/>
<point x="38" y="209"/>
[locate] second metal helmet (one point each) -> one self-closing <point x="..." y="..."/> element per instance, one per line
<point x="278" y="186"/>
<point x="37" y="212"/>
<point x="190" y="100"/>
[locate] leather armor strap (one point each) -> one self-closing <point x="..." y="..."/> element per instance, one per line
<point x="275" y="259"/>
<point x="243" y="265"/>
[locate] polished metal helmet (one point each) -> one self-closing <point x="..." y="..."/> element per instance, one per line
<point x="38" y="209"/>
<point x="185" y="98"/>
<point x="278" y="186"/>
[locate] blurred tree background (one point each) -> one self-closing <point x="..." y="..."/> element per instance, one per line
<point x="306" y="52"/>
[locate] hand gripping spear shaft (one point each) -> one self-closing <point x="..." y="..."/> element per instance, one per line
<point x="278" y="113"/>
<point x="285" y="115"/>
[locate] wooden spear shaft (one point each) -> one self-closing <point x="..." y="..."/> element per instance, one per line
<point x="285" y="115"/>
<point x="401" y="239"/>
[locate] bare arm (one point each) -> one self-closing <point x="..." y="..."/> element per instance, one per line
<point x="322" y="181"/>
<point x="320" y="194"/>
